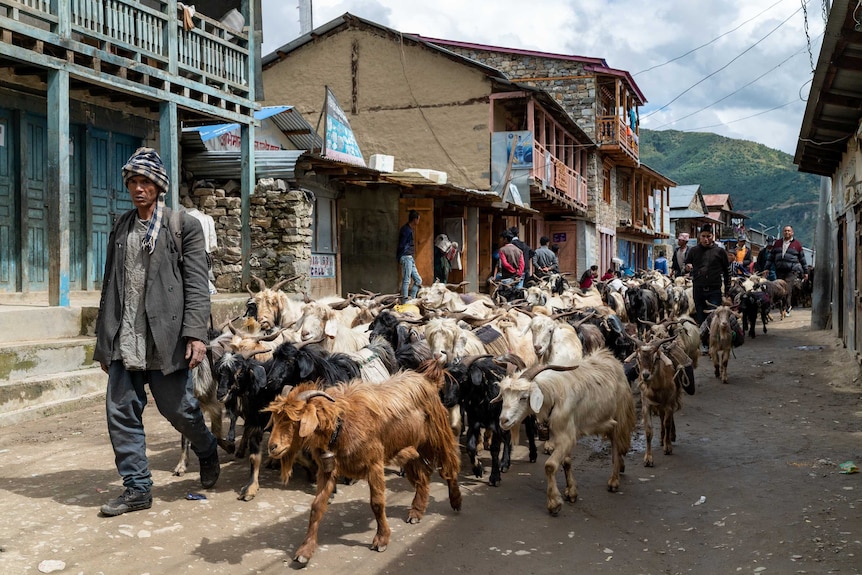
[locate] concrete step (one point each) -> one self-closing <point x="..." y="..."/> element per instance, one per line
<point x="27" y="359"/>
<point x="95" y="398"/>
<point x="28" y="323"/>
<point x="24" y="398"/>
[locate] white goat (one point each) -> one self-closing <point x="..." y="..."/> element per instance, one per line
<point x="591" y="398"/>
<point x="555" y="342"/>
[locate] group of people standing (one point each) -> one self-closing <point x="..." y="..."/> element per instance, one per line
<point x="515" y="261"/>
<point x="707" y="262"/>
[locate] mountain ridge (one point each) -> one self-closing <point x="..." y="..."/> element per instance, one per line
<point x="763" y="182"/>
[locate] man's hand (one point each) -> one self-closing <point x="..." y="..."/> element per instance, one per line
<point x="195" y="352"/>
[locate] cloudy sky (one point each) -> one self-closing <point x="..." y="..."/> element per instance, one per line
<point x="739" y="68"/>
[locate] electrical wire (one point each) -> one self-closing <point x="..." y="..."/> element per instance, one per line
<point x="734" y="59"/>
<point x="741" y="119"/>
<point x="735" y="91"/>
<point x="693" y="50"/>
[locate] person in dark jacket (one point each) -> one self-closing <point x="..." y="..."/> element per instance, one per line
<point x="405" y="256"/>
<point x="763" y="256"/>
<point x="152" y="330"/>
<point x="528" y="254"/>
<point x="709" y="267"/>
<point x="788" y="259"/>
<point x="545" y="261"/>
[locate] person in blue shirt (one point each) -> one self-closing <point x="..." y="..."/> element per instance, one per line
<point x="661" y="263"/>
<point x="405" y="256"/>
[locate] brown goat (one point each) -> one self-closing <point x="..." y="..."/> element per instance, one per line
<point x="660" y="393"/>
<point x="354" y="429"/>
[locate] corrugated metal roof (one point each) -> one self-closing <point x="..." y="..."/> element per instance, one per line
<point x="228" y="165"/>
<point x="295" y="128"/>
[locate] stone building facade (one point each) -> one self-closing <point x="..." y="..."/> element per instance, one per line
<point x="280" y="224"/>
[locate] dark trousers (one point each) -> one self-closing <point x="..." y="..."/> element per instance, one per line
<point x="125" y="402"/>
<point x="703" y="297"/>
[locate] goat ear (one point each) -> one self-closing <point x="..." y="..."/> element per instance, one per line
<point x="330" y="328"/>
<point x="305" y="365"/>
<point x="476" y="376"/>
<point x="258" y="375"/>
<point x="536" y="398"/>
<point x="308" y="422"/>
<point x="664" y="359"/>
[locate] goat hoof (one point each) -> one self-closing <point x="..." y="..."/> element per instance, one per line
<point x="649" y="463"/>
<point x="301" y="560"/>
<point x="494" y="482"/>
<point x="555" y="510"/>
<point x="478" y="471"/>
<point x="504" y="468"/>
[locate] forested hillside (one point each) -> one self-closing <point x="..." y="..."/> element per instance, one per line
<point x="763" y="183"/>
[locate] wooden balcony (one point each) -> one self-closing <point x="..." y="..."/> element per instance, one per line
<point x="124" y="45"/>
<point x="617" y="141"/>
<point x="559" y="184"/>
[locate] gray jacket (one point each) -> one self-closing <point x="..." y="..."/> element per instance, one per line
<point x="177" y="295"/>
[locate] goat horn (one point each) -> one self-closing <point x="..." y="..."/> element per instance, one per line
<point x="232" y="329"/>
<point x="564" y="313"/>
<point x="510" y="358"/>
<point x="581" y="321"/>
<point x="228" y="323"/>
<point x="468" y="360"/>
<point x="646" y="322"/>
<point x="312" y="393"/>
<point x="270" y="337"/>
<point x="537" y="369"/>
<point x="343" y="304"/>
<point x="301" y="344"/>
<point x="251" y="293"/>
<point x="288" y="280"/>
<point x="305" y="297"/>
<point x="260" y="283"/>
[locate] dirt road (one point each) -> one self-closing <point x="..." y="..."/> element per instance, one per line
<point x="753" y="486"/>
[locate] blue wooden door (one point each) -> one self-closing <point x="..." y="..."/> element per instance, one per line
<point x="36" y="202"/>
<point x="9" y="245"/>
<point x="106" y="153"/>
<point x="77" y="234"/>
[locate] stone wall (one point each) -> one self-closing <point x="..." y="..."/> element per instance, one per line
<point x="574" y="90"/>
<point x="280" y="230"/>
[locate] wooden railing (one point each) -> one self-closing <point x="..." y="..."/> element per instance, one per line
<point x="613" y="130"/>
<point x="561" y="177"/>
<point x="210" y="52"/>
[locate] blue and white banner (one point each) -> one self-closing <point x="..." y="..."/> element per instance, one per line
<point x="341" y="143"/>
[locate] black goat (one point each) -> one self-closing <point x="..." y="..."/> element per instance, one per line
<point x="410" y="349"/>
<point x="243" y="382"/>
<point x="750" y="304"/>
<point x="474" y="381"/>
<point x="641" y="305"/>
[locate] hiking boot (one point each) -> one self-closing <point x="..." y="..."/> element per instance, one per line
<point x="130" y="500"/>
<point x="209" y="470"/>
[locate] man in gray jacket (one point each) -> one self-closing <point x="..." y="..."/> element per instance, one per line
<point x="151" y="329"/>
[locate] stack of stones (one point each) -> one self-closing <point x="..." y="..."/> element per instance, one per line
<point x="280" y="221"/>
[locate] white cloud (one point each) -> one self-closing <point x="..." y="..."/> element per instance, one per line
<point x="631" y="35"/>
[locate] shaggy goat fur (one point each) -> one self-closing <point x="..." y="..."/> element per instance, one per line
<point x="358" y="428"/>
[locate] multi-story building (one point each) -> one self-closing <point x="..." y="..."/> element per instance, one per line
<point x="432" y="108"/>
<point x="84" y="84"/>
<point x="627" y="201"/>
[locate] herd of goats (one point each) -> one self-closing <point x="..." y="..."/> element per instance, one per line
<point x="346" y="386"/>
